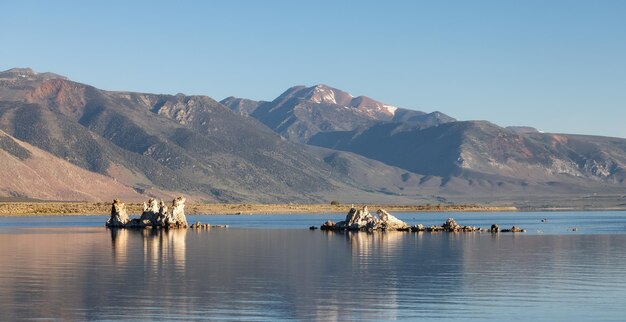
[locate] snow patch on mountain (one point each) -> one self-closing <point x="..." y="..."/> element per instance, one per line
<point x="323" y="94"/>
<point x="391" y="109"/>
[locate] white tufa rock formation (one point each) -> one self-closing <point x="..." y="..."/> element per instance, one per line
<point x="155" y="215"/>
<point x="362" y="219"/>
<point x="387" y="221"/>
<point x="119" y="217"/>
<point x="178" y="211"/>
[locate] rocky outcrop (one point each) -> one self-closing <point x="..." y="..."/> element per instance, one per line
<point x="513" y="229"/>
<point x="119" y="217"/>
<point x="178" y="211"/>
<point x="155" y="215"/>
<point x="450" y="225"/>
<point x="149" y="215"/>
<point x="199" y="225"/>
<point x="357" y="219"/>
<point x="362" y="219"/>
<point x="329" y="225"/>
<point x="163" y="216"/>
<point x="389" y="222"/>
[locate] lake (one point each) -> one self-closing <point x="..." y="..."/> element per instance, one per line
<point x="271" y="267"/>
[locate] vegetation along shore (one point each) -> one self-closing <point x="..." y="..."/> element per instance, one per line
<point x="104" y="208"/>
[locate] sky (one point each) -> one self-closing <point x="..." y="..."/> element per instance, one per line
<point x="559" y="66"/>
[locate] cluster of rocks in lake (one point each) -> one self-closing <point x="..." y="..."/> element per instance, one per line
<point x="363" y="220"/>
<point x="155" y="214"/>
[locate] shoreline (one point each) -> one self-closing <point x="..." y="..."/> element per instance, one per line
<point x="60" y="208"/>
<point x="30" y="209"/>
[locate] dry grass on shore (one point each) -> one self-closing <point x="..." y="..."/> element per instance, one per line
<point x="88" y="208"/>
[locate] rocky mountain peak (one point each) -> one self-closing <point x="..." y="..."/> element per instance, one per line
<point x="373" y="108"/>
<point x="19" y="72"/>
<point x="16" y="74"/>
<point x="241" y="106"/>
<point x="522" y="129"/>
<point x="324" y="94"/>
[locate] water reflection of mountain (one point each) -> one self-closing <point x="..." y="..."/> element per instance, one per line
<point x="256" y="274"/>
<point x="541" y="271"/>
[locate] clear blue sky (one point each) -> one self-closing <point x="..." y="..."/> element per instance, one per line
<point x="557" y="65"/>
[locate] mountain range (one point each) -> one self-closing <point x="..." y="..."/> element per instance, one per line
<point x="63" y="140"/>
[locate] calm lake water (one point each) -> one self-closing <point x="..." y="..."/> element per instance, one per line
<point x="271" y="267"/>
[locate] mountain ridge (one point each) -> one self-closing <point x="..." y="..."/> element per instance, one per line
<point x="190" y="144"/>
<point x="301" y="112"/>
<point x="435" y="145"/>
<point x="299" y="147"/>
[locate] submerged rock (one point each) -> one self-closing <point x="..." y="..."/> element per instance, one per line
<point x="328" y="225"/>
<point x="199" y="225"/>
<point x="513" y="229"/>
<point x="435" y="228"/>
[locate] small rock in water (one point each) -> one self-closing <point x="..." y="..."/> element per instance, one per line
<point x="328" y="225"/>
<point x="516" y="229"/>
